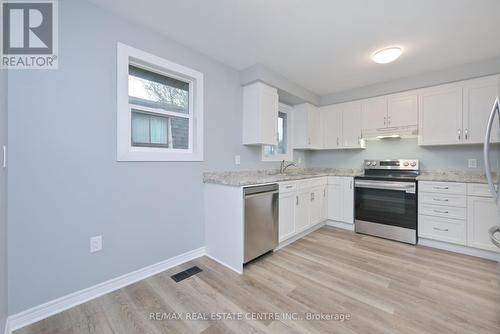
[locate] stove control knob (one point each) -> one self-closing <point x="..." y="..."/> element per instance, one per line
<point x="406" y="163"/>
<point x="368" y="163"/>
<point x="413" y="163"/>
<point x="374" y="163"/>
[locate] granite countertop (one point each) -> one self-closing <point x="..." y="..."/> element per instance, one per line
<point x="453" y="176"/>
<point x="250" y="177"/>
<point x="245" y="178"/>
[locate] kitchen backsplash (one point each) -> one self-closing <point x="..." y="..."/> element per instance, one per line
<point x="431" y="157"/>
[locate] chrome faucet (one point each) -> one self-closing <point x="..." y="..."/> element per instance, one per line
<point x="285" y="165"/>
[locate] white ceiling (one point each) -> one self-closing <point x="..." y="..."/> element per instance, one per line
<point x="325" y="45"/>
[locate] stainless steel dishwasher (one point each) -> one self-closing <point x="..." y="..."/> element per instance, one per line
<point x="261" y="220"/>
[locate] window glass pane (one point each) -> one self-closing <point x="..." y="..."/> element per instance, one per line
<point x="155" y="90"/>
<point x="149" y="130"/>
<point x="281" y="148"/>
<point x="159" y="126"/>
<point x="154" y="130"/>
<point x="180" y="132"/>
<point x="269" y="150"/>
<point x="282" y="133"/>
<point x="140" y="128"/>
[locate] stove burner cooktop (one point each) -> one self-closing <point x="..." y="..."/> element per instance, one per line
<point x="391" y="170"/>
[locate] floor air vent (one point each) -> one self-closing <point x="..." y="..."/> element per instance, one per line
<point x="186" y="274"/>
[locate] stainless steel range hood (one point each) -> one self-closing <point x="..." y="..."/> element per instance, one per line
<point x="410" y="131"/>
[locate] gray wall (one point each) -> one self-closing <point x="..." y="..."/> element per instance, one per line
<point x="3" y="201"/>
<point x="435" y="157"/>
<point x="64" y="182"/>
<point x="289" y="92"/>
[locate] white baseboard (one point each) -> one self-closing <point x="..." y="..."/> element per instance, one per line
<point x="300" y="235"/>
<point x="37" y="313"/>
<point x="224" y="264"/>
<point x="459" y="249"/>
<point x="345" y="226"/>
<point x="7" y="327"/>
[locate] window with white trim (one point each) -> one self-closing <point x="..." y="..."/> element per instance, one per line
<point x="160" y="108"/>
<point x="282" y="151"/>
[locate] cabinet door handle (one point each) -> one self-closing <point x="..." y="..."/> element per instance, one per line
<point x="466" y="134"/>
<point x="296" y="200"/>
<point x="289" y="187"/>
<point x="385" y="120"/>
<point x="459" y="132"/>
<point x="440" y="229"/>
<point x="440" y="199"/>
<point x="441" y="188"/>
<point x="350" y="185"/>
<point x="312" y="197"/>
<point x="337" y="141"/>
<point x="324" y="192"/>
<point x="439" y="211"/>
<point x="309" y="140"/>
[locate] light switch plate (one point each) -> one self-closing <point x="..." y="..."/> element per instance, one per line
<point x="237" y="159"/>
<point x="472" y="163"/>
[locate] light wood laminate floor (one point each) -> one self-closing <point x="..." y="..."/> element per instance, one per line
<point x="385" y="287"/>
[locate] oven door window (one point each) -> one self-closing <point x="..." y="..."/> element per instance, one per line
<point x="389" y="207"/>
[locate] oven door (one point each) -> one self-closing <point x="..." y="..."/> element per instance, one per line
<point x="386" y="202"/>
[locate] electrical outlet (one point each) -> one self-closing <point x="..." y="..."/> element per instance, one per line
<point x="96" y="244"/>
<point x="237" y="159"/>
<point x="472" y="163"/>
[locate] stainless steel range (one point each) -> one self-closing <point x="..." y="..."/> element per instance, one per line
<point x="385" y="199"/>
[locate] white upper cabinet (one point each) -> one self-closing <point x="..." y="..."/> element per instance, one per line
<point x="440" y="115"/>
<point x="307" y="132"/>
<point x="389" y="115"/>
<point x="450" y="114"/>
<point x="457" y="113"/>
<point x="341" y="126"/>
<point x="260" y="114"/>
<point x="374" y="113"/>
<point x="331" y="122"/>
<point x="479" y="96"/>
<point x="402" y="110"/>
<point x="351" y="125"/>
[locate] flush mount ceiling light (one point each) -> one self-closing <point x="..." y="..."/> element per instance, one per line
<point x="387" y="55"/>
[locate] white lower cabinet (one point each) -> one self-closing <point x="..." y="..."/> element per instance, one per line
<point x="481" y="215"/>
<point x="302" y="220"/>
<point x="317" y="205"/>
<point x="457" y="213"/>
<point x="442" y="229"/>
<point x="334" y="206"/>
<point x="340" y="199"/>
<point x="302" y="205"/>
<point x="287" y="215"/>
